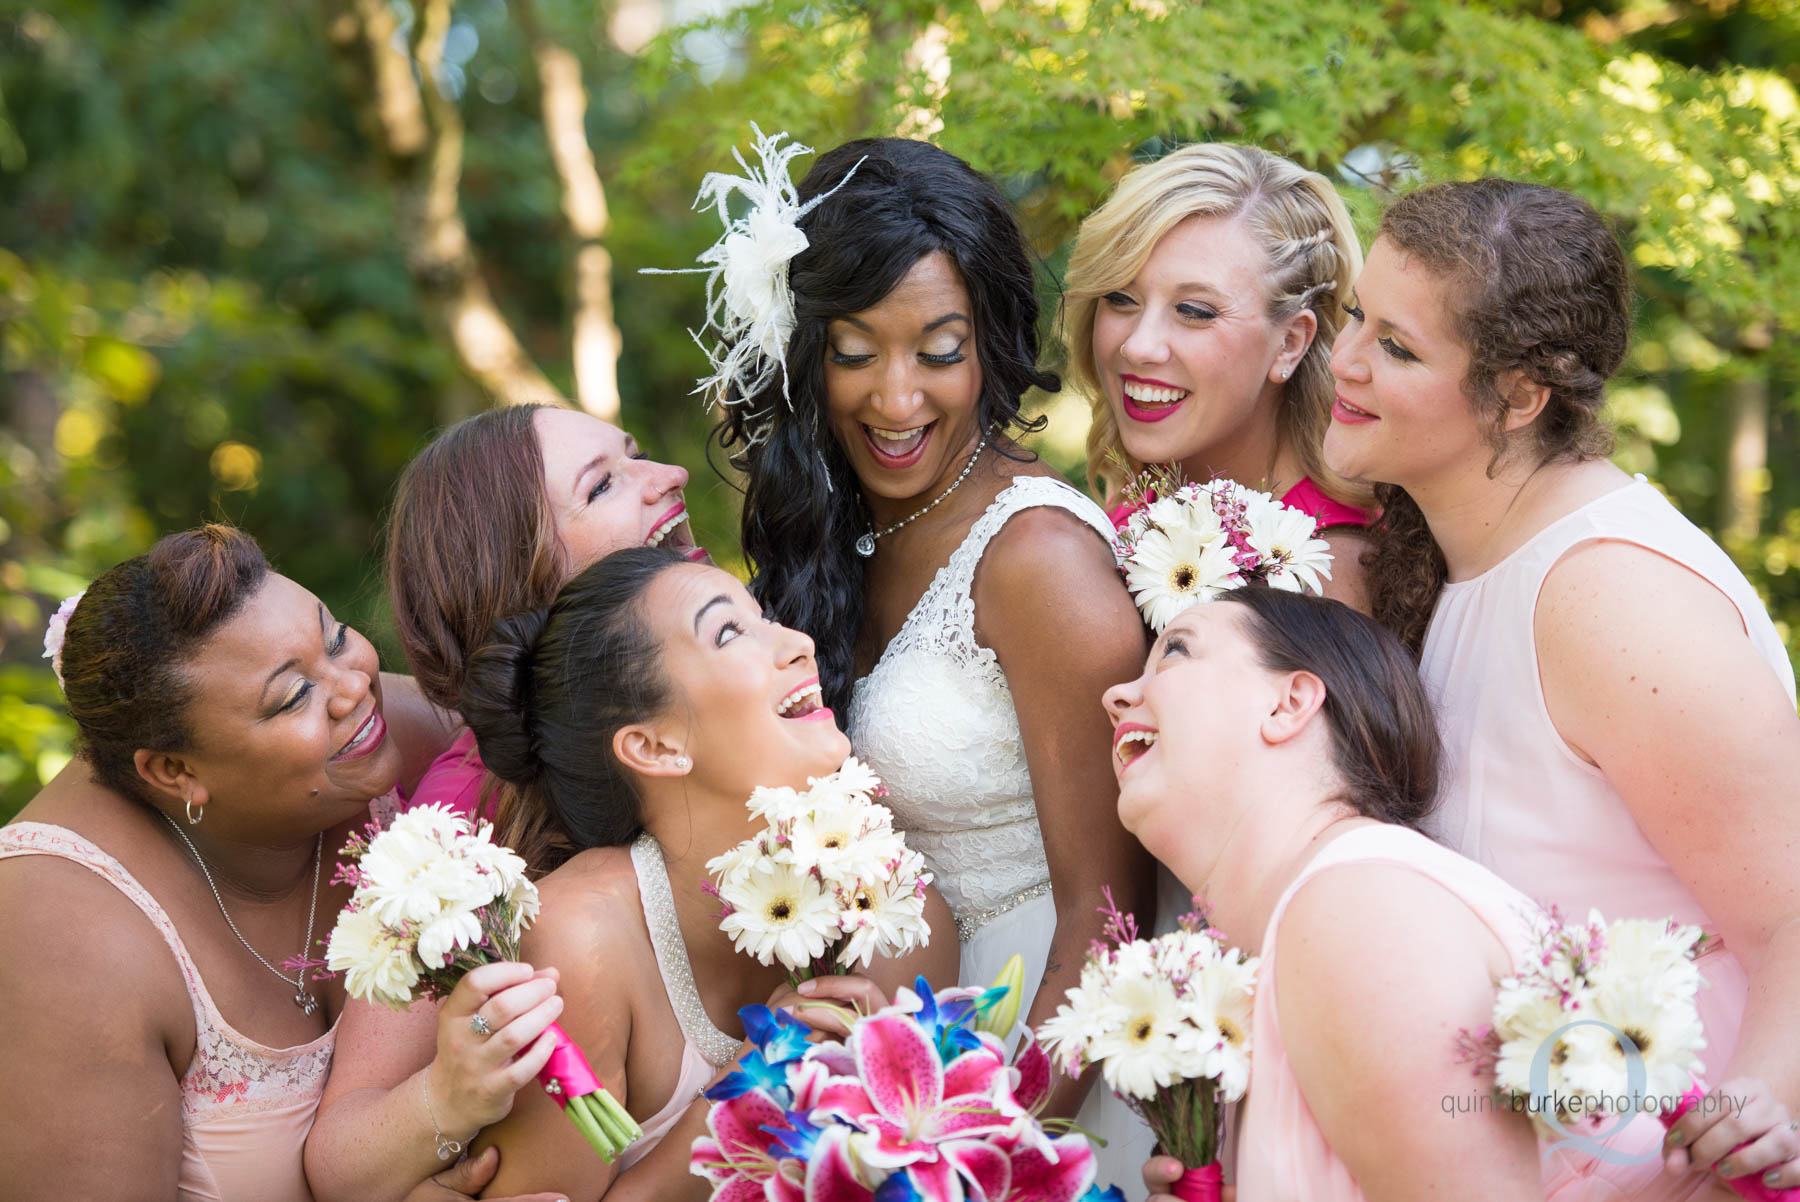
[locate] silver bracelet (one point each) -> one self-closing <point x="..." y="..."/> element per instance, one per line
<point x="447" y="1148"/>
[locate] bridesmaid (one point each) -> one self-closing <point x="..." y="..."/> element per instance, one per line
<point x="1201" y="302"/>
<point x="1617" y="708"/>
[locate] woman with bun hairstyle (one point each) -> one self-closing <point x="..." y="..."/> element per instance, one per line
<point x="491" y="518"/>
<point x="1617" y="708"/>
<point x="231" y="733"/>
<point x="632" y="719"/>
<point x="1200" y="305"/>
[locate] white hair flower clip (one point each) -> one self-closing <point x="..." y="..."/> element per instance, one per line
<point x="57" y="631"/>
<point x="749" y="303"/>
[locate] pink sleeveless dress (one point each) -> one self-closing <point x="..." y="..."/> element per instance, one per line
<point x="1304" y="496"/>
<point x="245" y="1107"/>
<point x="1282" y="1156"/>
<point x="1515" y="798"/>
<point x="705" y="1049"/>
<point x="454" y="779"/>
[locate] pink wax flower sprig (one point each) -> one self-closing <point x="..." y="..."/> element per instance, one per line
<point x="1602" y="1020"/>
<point x="434" y="898"/>
<point x="1167" y="1020"/>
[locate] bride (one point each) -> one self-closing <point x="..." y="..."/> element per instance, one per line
<point x="636" y="714"/>
<point x="963" y="598"/>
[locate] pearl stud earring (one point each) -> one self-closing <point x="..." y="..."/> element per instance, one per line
<point x="683" y="763"/>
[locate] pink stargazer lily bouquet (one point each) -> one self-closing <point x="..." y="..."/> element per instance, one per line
<point x="828" y="884"/>
<point x="1183" y="543"/>
<point x="1168" y="1022"/>
<point x="1602" y="1021"/>
<point x="918" y="1104"/>
<point x="434" y="898"/>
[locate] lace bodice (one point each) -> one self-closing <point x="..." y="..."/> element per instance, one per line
<point x="935" y="719"/>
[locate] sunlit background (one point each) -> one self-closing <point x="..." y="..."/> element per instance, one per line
<point x="251" y="256"/>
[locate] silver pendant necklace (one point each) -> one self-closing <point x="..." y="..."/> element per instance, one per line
<point x="865" y="546"/>
<point x="306" y="1001"/>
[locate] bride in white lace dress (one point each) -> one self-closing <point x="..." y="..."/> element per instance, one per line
<point x="968" y="638"/>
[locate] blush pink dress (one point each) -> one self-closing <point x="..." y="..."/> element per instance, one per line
<point x="1283" y="1156"/>
<point x="245" y="1107"/>
<point x="1516" y="798"/>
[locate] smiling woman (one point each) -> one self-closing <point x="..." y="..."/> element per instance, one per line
<point x="637" y="713"/>
<point x="231" y="731"/>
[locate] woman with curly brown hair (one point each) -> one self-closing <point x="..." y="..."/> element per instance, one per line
<point x="1618" y="710"/>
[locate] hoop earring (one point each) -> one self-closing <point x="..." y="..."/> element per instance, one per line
<point x="194" y="816"/>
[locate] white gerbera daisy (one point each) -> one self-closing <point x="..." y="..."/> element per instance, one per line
<point x="1088" y="1013"/>
<point x="779" y="912"/>
<point x="1139" y="1055"/>
<point x="842" y="838"/>
<point x="854" y="780"/>
<point x="1218" y="1002"/>
<point x="1283" y="537"/>
<point x="1181" y="565"/>
<point x="884" y="916"/>
<point x="376" y="963"/>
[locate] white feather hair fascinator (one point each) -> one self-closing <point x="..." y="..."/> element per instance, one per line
<point x="749" y="302"/>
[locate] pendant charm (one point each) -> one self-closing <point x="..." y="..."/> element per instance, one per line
<point x="865" y="546"/>
<point x="447" y="1148"/>
<point x="306" y="1001"/>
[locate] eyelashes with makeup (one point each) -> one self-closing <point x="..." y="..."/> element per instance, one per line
<point x="954" y="357"/>
<point x="337" y="645"/>
<point x="1393" y="349"/>
<point x="1187" y="310"/>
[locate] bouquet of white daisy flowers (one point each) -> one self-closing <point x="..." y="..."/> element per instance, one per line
<point x="1600" y="1023"/>
<point x="828" y="884"/>
<point x="1168" y="1022"/>
<point x="435" y="897"/>
<point x="1184" y="543"/>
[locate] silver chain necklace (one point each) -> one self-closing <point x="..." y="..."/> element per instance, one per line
<point x="865" y="546"/>
<point x="306" y="1001"/>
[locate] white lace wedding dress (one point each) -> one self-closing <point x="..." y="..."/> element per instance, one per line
<point x="934" y="718"/>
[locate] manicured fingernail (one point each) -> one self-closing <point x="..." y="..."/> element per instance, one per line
<point x="1672" y="1140"/>
<point x="1771" y="1177"/>
<point x="1724" y="1168"/>
<point x="808" y="986"/>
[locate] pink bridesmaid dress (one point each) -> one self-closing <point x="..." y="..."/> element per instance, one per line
<point x="1516" y="798"/>
<point x="1282" y="1156"/>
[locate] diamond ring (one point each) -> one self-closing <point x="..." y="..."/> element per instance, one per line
<point x="479" y="1024"/>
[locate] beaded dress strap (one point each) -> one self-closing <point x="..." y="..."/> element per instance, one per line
<point x="671" y="954"/>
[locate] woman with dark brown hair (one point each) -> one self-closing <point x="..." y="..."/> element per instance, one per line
<point x="160" y="1041"/>
<point x="489" y="520"/>
<point x="1617" y="708"/>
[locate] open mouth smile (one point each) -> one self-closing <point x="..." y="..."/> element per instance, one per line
<point x="672" y="528"/>
<point x="369" y="736"/>
<point x="1130" y="741"/>
<point x="804" y="704"/>
<point x="897" y="449"/>
<point x="1150" y="400"/>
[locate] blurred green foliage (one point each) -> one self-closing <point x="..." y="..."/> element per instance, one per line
<point x="205" y="309"/>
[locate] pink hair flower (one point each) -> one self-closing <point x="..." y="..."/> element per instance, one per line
<point x="57" y="631"/>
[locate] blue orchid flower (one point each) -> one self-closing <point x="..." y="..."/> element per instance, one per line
<point x="753" y="1072"/>
<point x="948" y="1025"/>
<point x="1095" y="1193"/>
<point x="797" y="1139"/>
<point x="898" y="1188"/>
<point x="780" y="1035"/>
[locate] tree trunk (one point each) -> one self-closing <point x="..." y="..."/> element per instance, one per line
<point x="420" y="134"/>
<point x="1746" y="456"/>
<point x="595" y="335"/>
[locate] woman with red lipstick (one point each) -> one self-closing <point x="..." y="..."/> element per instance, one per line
<point x="1200" y="306"/>
<point x="1617" y="707"/>
<point x="964" y="599"/>
<point x="491" y="519"/>
<point x="156" y="1042"/>
<point x="634" y="716"/>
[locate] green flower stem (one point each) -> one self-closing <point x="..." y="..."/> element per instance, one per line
<point x="596" y="1110"/>
<point x="590" y="1131"/>
<point x="628" y="1126"/>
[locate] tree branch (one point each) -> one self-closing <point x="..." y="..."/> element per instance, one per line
<point x="420" y="135"/>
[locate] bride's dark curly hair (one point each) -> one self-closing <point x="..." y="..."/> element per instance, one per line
<point x="803" y="509"/>
<point x="1540" y="287"/>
